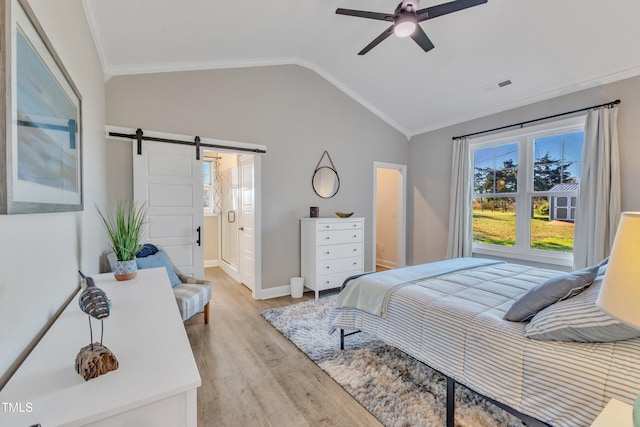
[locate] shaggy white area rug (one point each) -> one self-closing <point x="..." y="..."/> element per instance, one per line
<point x="397" y="389"/>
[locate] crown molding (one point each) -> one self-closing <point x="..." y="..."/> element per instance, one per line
<point x="97" y="41"/>
<point x="257" y="62"/>
<point x="112" y="70"/>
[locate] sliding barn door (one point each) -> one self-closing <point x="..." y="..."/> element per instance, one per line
<point x="169" y="179"/>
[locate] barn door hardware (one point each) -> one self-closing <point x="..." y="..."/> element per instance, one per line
<point x="139" y="137"/>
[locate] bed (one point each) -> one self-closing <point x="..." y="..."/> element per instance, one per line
<point x="450" y="316"/>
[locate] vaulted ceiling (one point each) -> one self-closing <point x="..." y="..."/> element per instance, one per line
<point x="545" y="48"/>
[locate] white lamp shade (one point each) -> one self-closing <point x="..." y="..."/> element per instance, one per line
<point x="620" y="293"/>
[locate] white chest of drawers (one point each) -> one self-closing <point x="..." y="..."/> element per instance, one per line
<point x="332" y="250"/>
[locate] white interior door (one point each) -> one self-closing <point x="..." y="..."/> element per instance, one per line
<point x="247" y="222"/>
<point x="169" y="179"/>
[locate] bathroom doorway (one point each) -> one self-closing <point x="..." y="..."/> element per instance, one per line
<point x="226" y="188"/>
<point x="389" y="215"/>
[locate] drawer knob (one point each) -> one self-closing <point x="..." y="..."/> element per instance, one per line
<point x="326" y="226"/>
<point x="327" y="238"/>
<point x="355" y="225"/>
<point x="327" y="253"/>
<point x="327" y="267"/>
<point x="355" y="263"/>
<point x="355" y="249"/>
<point x="327" y="282"/>
<point x="355" y="235"/>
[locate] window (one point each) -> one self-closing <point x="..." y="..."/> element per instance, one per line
<point x="525" y="190"/>
<point x="207" y="175"/>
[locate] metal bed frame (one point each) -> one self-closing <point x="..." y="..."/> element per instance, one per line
<point x="451" y="389"/>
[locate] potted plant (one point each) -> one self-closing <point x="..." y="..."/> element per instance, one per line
<point x="124" y="227"/>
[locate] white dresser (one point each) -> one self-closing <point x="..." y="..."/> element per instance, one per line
<point x="332" y="250"/>
<point x="155" y="384"/>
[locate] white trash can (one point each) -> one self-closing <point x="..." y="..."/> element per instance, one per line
<point x="297" y="286"/>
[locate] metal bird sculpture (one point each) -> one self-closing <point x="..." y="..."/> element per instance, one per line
<point x="93" y="300"/>
<point x="95" y="303"/>
<point x="94" y="359"/>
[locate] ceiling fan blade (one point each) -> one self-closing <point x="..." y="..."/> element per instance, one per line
<point x="377" y="40"/>
<point x="420" y="37"/>
<point x="365" y="14"/>
<point x="445" y="8"/>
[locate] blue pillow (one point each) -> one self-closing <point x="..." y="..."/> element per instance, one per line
<point x="603" y="266"/>
<point x="159" y="259"/>
<point x="553" y="290"/>
<point x="147" y="249"/>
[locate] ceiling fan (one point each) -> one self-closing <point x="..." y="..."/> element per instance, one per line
<point x="405" y="20"/>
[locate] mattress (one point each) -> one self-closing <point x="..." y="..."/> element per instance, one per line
<point x="454" y="323"/>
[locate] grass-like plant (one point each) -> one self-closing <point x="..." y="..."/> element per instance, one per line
<point x="124" y="227"/>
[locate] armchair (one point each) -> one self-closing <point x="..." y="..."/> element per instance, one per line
<point x="192" y="295"/>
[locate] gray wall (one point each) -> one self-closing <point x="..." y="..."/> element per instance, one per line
<point x="42" y="253"/>
<point x="294" y="112"/>
<point x="430" y="161"/>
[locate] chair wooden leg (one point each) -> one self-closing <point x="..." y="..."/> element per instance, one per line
<point x="206" y="314"/>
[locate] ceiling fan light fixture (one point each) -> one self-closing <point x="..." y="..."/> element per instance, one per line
<point x="406" y="18"/>
<point x="405" y="25"/>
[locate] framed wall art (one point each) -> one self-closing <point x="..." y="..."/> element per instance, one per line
<point x="41" y="149"/>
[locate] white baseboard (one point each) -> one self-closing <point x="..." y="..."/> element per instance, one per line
<point x="279" y="291"/>
<point x="231" y="272"/>
<point x="212" y="263"/>
<point x="386" y="263"/>
<point x="275" y="292"/>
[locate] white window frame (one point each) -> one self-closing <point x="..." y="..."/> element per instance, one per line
<point x="209" y="211"/>
<point x="525" y="138"/>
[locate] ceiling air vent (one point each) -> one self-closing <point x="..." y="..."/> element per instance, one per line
<point x="497" y="85"/>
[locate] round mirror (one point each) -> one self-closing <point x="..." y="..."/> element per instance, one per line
<point x="325" y="182"/>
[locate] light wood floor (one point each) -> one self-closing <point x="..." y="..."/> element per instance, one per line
<point x="253" y="376"/>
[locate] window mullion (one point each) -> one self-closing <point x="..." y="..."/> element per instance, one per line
<point x="522" y="226"/>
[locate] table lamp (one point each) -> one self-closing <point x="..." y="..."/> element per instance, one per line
<point x="620" y="293"/>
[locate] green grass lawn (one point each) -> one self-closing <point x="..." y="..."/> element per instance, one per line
<point x="494" y="228"/>
<point x="499" y="228"/>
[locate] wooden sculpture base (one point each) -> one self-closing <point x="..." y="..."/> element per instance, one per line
<point x="93" y="362"/>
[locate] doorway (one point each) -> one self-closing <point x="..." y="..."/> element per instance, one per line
<point x="229" y="212"/>
<point x="389" y="215"/>
<point x="176" y="158"/>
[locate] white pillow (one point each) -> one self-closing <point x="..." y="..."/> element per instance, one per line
<point x="578" y="319"/>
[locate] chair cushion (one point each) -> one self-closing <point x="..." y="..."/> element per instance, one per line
<point x="192" y="298"/>
<point x="159" y="259"/>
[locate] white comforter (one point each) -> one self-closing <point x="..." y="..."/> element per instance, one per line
<point x="371" y="293"/>
<point x="454" y="323"/>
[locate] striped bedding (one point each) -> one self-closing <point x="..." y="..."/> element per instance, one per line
<point x="454" y="323"/>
